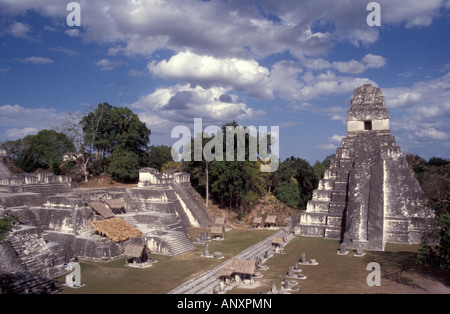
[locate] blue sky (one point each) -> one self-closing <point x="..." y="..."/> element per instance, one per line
<point x="292" y="64"/>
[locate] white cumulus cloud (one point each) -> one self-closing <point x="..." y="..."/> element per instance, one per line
<point x="108" y="65"/>
<point x="17" y="121"/>
<point x="240" y="74"/>
<point x="356" y="67"/>
<point x="20" y="30"/>
<point x="182" y="103"/>
<point x="37" y="60"/>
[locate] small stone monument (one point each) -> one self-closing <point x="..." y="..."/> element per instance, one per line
<point x="343" y="249"/>
<point x="274" y="288"/>
<point x="291" y="271"/>
<point x="303" y="258"/>
<point x="206" y="250"/>
<point x="296" y="269"/>
<point x="359" y="250"/>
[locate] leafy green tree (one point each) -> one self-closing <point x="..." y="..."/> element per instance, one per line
<point x="108" y="127"/>
<point x="5" y="226"/>
<point x="129" y="132"/>
<point x="437" y="161"/>
<point x="124" y="165"/>
<point x="159" y="155"/>
<point x="172" y="165"/>
<point x="320" y="167"/>
<point x="44" y="150"/>
<point x="113" y="133"/>
<point x="434" y="178"/>
<point x="288" y="192"/>
<point x="199" y="169"/>
<point x="97" y="129"/>
<point x="440" y="253"/>
<point x="235" y="184"/>
<point x="300" y="170"/>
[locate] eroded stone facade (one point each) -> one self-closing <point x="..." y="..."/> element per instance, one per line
<point x="54" y="219"/>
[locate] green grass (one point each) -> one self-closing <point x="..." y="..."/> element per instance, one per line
<point x="334" y="274"/>
<point x="169" y="272"/>
<point x="347" y="274"/>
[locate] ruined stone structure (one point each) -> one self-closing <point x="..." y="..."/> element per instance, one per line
<point x="4" y="171"/>
<point x="57" y="220"/>
<point x="368" y="196"/>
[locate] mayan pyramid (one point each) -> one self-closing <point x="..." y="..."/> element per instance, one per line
<point x="368" y="196"/>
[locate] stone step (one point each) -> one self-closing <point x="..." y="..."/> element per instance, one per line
<point x="46" y="237"/>
<point x="24" y="283"/>
<point x="175" y="226"/>
<point x="178" y="243"/>
<point x="47" y="188"/>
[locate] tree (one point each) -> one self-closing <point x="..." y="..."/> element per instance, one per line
<point x="129" y="133"/>
<point x="124" y="165"/>
<point x="320" y="167"/>
<point x="45" y="150"/>
<point x="5" y="226"/>
<point x="436" y="186"/>
<point x="237" y="184"/>
<point x="288" y="193"/>
<point x="172" y="165"/>
<point x="303" y="173"/>
<point x="110" y="127"/>
<point x="96" y="126"/>
<point x="15" y="152"/>
<point x="82" y="155"/>
<point x="199" y="169"/>
<point x="158" y="156"/>
<point x="440" y="253"/>
<point x="113" y="133"/>
<point x="435" y="182"/>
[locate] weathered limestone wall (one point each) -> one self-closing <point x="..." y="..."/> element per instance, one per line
<point x="21" y="199"/>
<point x="151" y="177"/>
<point x="4" y="171"/>
<point x="9" y="261"/>
<point x="179" y="199"/>
<point x="55" y="222"/>
<point x="34" y="254"/>
<point x="364" y="214"/>
<point x="96" y="248"/>
<point x="377" y="125"/>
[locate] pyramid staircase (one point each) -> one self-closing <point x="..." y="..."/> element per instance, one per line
<point x="33" y="251"/>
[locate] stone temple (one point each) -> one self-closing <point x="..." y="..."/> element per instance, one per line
<point x="368" y="196"/>
<point x="58" y="221"/>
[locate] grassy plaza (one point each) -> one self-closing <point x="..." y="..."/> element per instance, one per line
<point x="334" y="274"/>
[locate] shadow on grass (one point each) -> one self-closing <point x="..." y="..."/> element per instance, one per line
<point x="396" y="264"/>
